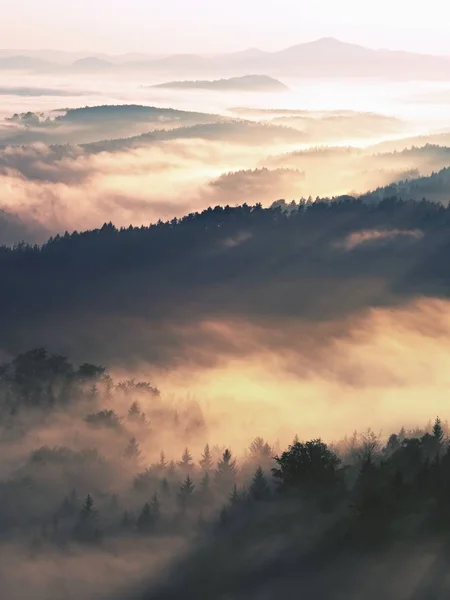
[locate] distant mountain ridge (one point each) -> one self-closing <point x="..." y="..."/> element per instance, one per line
<point x="325" y="57"/>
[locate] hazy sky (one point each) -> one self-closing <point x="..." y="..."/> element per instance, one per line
<point x="117" y="26"/>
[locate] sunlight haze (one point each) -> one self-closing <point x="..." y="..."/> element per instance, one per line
<point x="207" y="26"/>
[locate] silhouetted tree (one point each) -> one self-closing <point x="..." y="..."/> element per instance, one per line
<point x="155" y="508"/>
<point x="86" y="528"/>
<point x="259" y="489"/>
<point x="306" y="466"/>
<point x="206" y="462"/>
<point x="186" y="464"/>
<point x="145" y="521"/>
<point x="165" y="488"/>
<point x="186" y="493"/>
<point x="225" y="473"/>
<point x="438" y="432"/>
<point x="205" y="495"/>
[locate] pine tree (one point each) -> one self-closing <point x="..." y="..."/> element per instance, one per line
<point x="126" y="520"/>
<point x="206" y="462"/>
<point x="205" y="494"/>
<point x="260" y="449"/>
<point x="162" y="461"/>
<point x="234" y="496"/>
<point x="145" y="520"/>
<point x="133" y="451"/>
<point x="186" y="464"/>
<point x="165" y="489"/>
<point x="225" y="474"/>
<point x="155" y="507"/>
<point x="186" y="492"/>
<point x="259" y="489"/>
<point x="88" y="510"/>
<point x="86" y="528"/>
<point x="438" y="432"/>
<point x="134" y="412"/>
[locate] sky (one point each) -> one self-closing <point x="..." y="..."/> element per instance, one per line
<point x="209" y="26"/>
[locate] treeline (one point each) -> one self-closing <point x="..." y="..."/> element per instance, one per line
<point x="376" y="489"/>
<point x="202" y="249"/>
<point x="124" y="466"/>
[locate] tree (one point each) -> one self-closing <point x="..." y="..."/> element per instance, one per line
<point x="145" y="520"/>
<point x="165" y="489"/>
<point x="225" y="473"/>
<point x="134" y="412"/>
<point x="104" y="418"/>
<point x="393" y="444"/>
<point x="259" y="489"/>
<point x="162" y="461"/>
<point x="186" y="464"/>
<point x="205" y="495"/>
<point x="87" y="509"/>
<point x="186" y="493"/>
<point x="155" y="507"/>
<point x="369" y="448"/>
<point x="235" y="497"/>
<point x="206" y="462"/>
<point x="133" y="451"/>
<point x="438" y="432"/>
<point x="125" y="522"/>
<point x="260" y="449"/>
<point x="306" y="466"/>
<point x="86" y="528"/>
<point x="369" y="500"/>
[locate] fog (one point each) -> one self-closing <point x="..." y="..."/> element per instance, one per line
<point x="53" y="182"/>
<point x="316" y="319"/>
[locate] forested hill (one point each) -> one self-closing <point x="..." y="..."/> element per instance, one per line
<point x="323" y="260"/>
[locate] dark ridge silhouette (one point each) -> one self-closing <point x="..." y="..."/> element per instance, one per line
<point x="227" y="263"/>
<point x="434" y="188"/>
<point x="135" y="111"/>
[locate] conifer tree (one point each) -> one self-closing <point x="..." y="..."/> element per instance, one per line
<point x="155" y="507"/>
<point x="186" y="493"/>
<point x="438" y="432"/>
<point x="259" y="489"/>
<point x="206" y="462"/>
<point x="86" y="528"/>
<point x="162" y="461"/>
<point x="225" y="473"/>
<point x="234" y="496"/>
<point x="145" y="520"/>
<point x="133" y="451"/>
<point x="205" y="493"/>
<point x="165" y="488"/>
<point x="126" y="520"/>
<point x="186" y="465"/>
